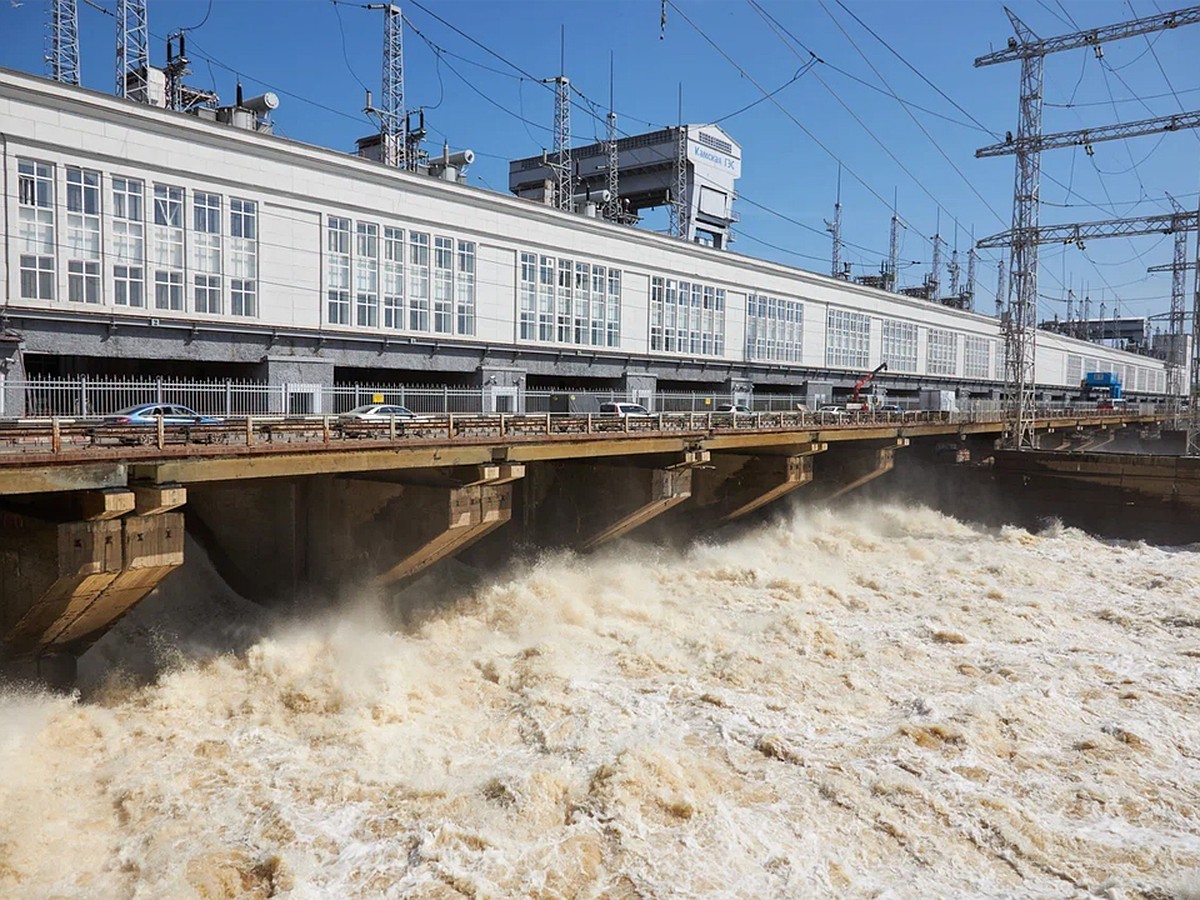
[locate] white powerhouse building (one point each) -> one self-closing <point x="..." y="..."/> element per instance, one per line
<point x="140" y="240"/>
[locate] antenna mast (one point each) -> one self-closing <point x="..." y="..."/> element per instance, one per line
<point x="835" y="229"/>
<point x="62" y="52"/>
<point x="679" y="218"/>
<point x="972" y="258"/>
<point x="892" y="275"/>
<point x="133" y="55"/>
<point x="564" y="182"/>
<point x="935" y="277"/>
<point x="612" y="210"/>
<point x="393" y="117"/>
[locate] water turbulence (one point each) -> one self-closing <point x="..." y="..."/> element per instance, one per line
<point x="876" y="701"/>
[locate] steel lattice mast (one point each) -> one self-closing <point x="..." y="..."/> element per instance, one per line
<point x="62" y="50"/>
<point x="972" y="259"/>
<point x="1019" y="324"/>
<point x="1001" y="286"/>
<point x="133" y="55"/>
<point x="1176" y="358"/>
<point x="612" y="208"/>
<point x="935" y="276"/>
<point x="1192" y="447"/>
<point x="678" y="208"/>
<point x="835" y="229"/>
<point x="893" y="263"/>
<point x="393" y="117"/>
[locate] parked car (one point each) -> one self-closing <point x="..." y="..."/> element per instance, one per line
<point x="740" y="409"/>
<point x="630" y="410"/>
<point x="379" y="412"/>
<point x="834" y="411"/>
<point x="148" y="414"/>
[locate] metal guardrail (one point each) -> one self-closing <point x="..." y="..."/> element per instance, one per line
<point x="67" y="436"/>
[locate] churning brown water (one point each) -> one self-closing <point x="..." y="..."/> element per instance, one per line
<point x="877" y="702"/>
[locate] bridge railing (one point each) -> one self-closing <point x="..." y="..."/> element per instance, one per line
<point x="90" y="397"/>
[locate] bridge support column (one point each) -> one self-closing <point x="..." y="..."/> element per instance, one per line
<point x="852" y="466"/>
<point x="63" y="584"/>
<point x="386" y="528"/>
<point x="591" y="504"/>
<point x="738" y="483"/>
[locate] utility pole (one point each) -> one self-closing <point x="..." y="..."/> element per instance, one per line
<point x="1070" y="308"/>
<point x="835" y="229"/>
<point x="954" y="271"/>
<point x="1176" y="359"/>
<point x="1020" y="325"/>
<point x="133" y="55"/>
<point x="62" y="51"/>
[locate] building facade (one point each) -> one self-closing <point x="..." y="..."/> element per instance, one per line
<point x="140" y="240"/>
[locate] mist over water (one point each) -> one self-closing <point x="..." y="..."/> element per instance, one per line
<point x="871" y="701"/>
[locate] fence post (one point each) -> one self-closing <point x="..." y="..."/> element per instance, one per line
<point x="55" y="435"/>
<point x="158" y="392"/>
<point x="249" y="431"/>
<point x="83" y="404"/>
<point x="160" y="431"/>
<point x="392" y="427"/>
<point x="446" y="399"/>
<point x="325" y="429"/>
<point x="228" y="397"/>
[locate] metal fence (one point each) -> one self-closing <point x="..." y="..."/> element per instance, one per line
<point x="97" y="397"/>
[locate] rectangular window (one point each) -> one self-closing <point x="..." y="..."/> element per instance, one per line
<point x="418" y="281"/>
<point x="243" y="299"/>
<point x="613" y="324"/>
<point x="337" y="270"/>
<point x="168" y="290"/>
<point x="393" y="277"/>
<point x="83" y="235"/>
<point x="683" y="316"/>
<point x="366" y="275"/>
<point x="847" y="339"/>
<point x="35" y="229"/>
<point x="582" y="291"/>
<point x="943" y="352"/>
<point x="546" y="298"/>
<point x="599" y="312"/>
<point x="774" y="327"/>
<point x="465" y="287"/>
<point x="976" y="353"/>
<point x="564" y="301"/>
<point x="83" y="281"/>
<point x="129" y="286"/>
<point x="168" y="247"/>
<point x="206" y="233"/>
<point x="900" y="345"/>
<point x="207" y="293"/>
<point x="243" y="257"/>
<point x="443" y="285"/>
<point x="527" y="298"/>
<point x="129" y="243"/>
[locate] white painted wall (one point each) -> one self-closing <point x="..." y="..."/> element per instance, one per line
<point x="297" y="185"/>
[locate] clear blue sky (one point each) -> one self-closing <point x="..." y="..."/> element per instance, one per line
<point x="318" y="55"/>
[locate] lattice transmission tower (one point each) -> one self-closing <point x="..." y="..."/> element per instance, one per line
<point x="62" y="41"/>
<point x="1020" y="326"/>
<point x="133" y="53"/>
<point x="392" y="114"/>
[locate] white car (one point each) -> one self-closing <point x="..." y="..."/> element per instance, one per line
<point x="379" y="412"/>
<point x="740" y="409"/>
<point x="625" y="410"/>
<point x="834" y="411"/>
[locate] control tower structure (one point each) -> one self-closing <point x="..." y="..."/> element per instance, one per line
<point x="649" y="168"/>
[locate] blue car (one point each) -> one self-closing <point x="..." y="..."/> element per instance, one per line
<point x="148" y="413"/>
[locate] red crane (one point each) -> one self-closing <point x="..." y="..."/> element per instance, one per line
<point x="866" y="379"/>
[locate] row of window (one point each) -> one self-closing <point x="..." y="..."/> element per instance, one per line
<point x="568" y="301"/>
<point x="687" y="317"/>
<point x="410" y="281"/>
<point x="774" y="328"/>
<point x="1134" y="378"/>
<point x="147" y="262"/>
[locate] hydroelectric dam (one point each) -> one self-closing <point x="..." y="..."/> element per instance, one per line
<point x="94" y="517"/>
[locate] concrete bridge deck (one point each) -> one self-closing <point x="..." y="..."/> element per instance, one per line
<point x="93" y="517"/>
<point x="64" y="455"/>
